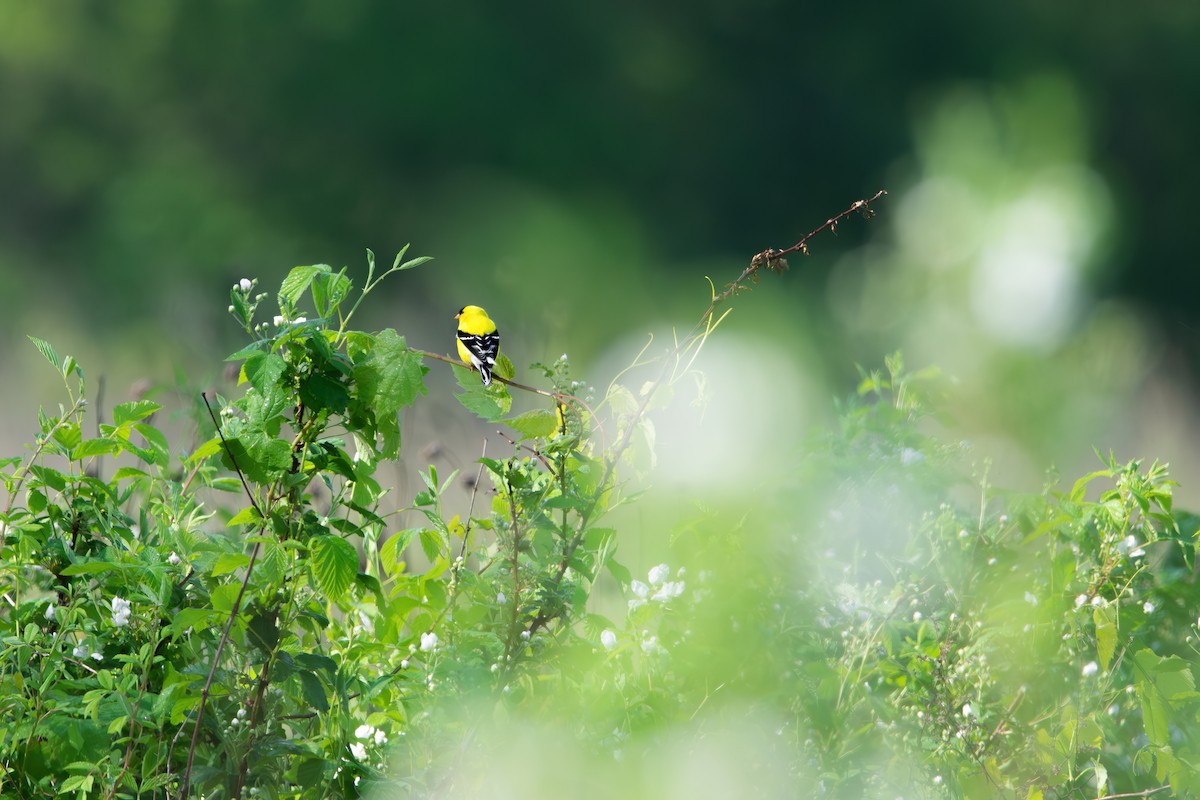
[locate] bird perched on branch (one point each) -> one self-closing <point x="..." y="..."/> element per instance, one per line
<point x="478" y="340"/>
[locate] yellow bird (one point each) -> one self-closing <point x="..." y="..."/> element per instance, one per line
<point x="478" y="340"/>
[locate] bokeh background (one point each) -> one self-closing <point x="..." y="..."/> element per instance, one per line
<point x="580" y="168"/>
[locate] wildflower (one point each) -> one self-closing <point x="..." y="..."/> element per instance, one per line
<point x="1099" y="602"/>
<point x="429" y="641"/>
<point x="1031" y="598"/>
<point x="501" y="599"/>
<point x="404" y="664"/>
<point x="641" y="590"/>
<point x="81" y="651"/>
<point x="245" y="285"/>
<point x="358" y="750"/>
<point x="278" y="320"/>
<point x="937" y="779"/>
<point x="173" y="559"/>
<point x="917" y="615"/>
<point x="364" y="731"/>
<point x="120" y="612"/>
<point x="608" y="639"/>
<point x="1080" y="600"/>
<point x="1148" y="607"/>
<point x="525" y="635"/>
<point x="300" y="319"/>
<point x="1090" y="668"/>
<point x="967" y="710"/>
<point x="51" y="610"/>
<point x="909" y="456"/>
<point x="659" y="574"/>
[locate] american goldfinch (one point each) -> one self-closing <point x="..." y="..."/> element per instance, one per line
<point x="478" y="340"/>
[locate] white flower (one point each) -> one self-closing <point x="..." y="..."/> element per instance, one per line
<point x="245" y="285"/>
<point x="278" y="320"/>
<point x="1099" y="602"/>
<point x="608" y="639"/>
<point x="173" y="559"/>
<point x="1148" y="607"/>
<point x="909" y="456"/>
<point x="659" y="574"/>
<point x="404" y="664"/>
<point x="97" y="656"/>
<point x="501" y="599"/>
<point x="1080" y="600"/>
<point x="641" y="590"/>
<point x="364" y="731"/>
<point x="967" y="710"/>
<point x="650" y="645"/>
<point x="668" y="591"/>
<point x="937" y="779"/>
<point x="1090" y="669"/>
<point x="359" y="751"/>
<point x="916" y="616"/>
<point x="429" y="641"/>
<point x="120" y="612"/>
<point x="51" y="610"/>
<point x="1031" y="598"/>
<point x="241" y="713"/>
<point x="525" y="635"/>
<point x="81" y="651"/>
<point x="380" y="737"/>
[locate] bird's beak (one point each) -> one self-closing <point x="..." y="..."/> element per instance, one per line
<point x="456" y="316"/>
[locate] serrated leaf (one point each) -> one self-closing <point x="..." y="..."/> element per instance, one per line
<point x="90" y="448"/>
<point x="47" y="350"/>
<point x="133" y="411"/>
<point x="334" y="563"/>
<point x="392" y="376"/>
<point x="246" y="516"/>
<point x="261" y="458"/>
<point x="209" y="448"/>
<point x="229" y="562"/>
<point x="328" y="291"/>
<point x="534" y="424"/>
<point x="263" y="370"/>
<point x="298" y="280"/>
<point x="314" y="692"/>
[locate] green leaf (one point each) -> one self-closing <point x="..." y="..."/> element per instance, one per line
<point x="334" y="563"/>
<point x="47" y="350"/>
<point x="128" y="472"/>
<point x="490" y="403"/>
<point x="261" y="458"/>
<point x="392" y="377"/>
<point x="329" y="290"/>
<point x="314" y="692"/>
<point x="414" y="262"/>
<point x="298" y="280"/>
<point x="229" y="562"/>
<point x="1159" y="682"/>
<point x="263" y="370"/>
<point x="247" y="516"/>
<point x="159" y="452"/>
<point x="89" y="448"/>
<point x="534" y="424"/>
<point x="133" y="411"/>
<point x="209" y="448"/>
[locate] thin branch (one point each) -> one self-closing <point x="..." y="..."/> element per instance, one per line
<point x="1143" y="793"/>
<point x="233" y="612"/>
